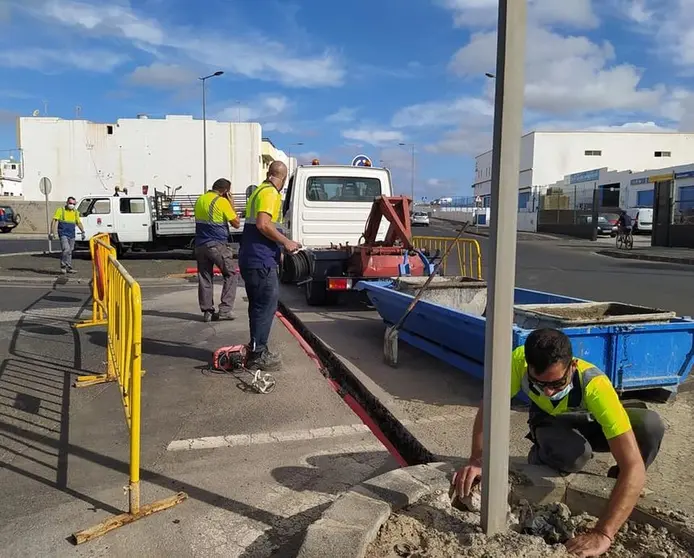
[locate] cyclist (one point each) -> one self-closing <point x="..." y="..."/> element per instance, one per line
<point x="624" y="223"/>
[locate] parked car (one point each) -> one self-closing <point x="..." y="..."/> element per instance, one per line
<point x="9" y="219"/>
<point x="419" y="218"/>
<point x="642" y="218"/>
<point x="612" y="219"/>
<point x="605" y="227"/>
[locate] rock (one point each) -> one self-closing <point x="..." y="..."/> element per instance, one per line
<point x="473" y="501"/>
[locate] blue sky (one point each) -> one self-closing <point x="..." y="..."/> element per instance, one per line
<point x="346" y="78"/>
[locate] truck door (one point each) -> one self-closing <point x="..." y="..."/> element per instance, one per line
<point x="97" y="216"/>
<point x="134" y="222"/>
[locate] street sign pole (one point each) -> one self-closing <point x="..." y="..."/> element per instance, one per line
<point x="45" y="187"/>
<point x="508" y="126"/>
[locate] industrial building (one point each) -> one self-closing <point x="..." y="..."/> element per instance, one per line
<point x="548" y="157"/>
<point x="135" y="154"/>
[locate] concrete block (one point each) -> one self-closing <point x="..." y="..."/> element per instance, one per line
<point x="357" y="510"/>
<point x="437" y="476"/>
<point x="399" y="488"/>
<point x="537" y="484"/>
<point x="326" y="537"/>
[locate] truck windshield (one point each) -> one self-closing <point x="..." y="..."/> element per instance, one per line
<point x="342" y="189"/>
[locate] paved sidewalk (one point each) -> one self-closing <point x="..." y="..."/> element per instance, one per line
<point x="271" y="464"/>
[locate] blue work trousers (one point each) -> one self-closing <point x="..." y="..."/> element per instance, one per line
<point x="262" y="289"/>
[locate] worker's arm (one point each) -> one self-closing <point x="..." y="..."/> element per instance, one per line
<point x="230" y="213"/>
<point x="235" y="222"/>
<point x="465" y="478"/>
<point x="79" y="224"/>
<point x="267" y="228"/>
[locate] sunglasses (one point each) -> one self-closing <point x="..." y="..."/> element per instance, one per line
<point x="554" y="384"/>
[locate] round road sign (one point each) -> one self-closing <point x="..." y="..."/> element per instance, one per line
<point x="361" y="161"/>
<point x="45" y="186"/>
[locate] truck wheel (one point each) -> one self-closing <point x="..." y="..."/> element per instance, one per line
<point x="315" y="292"/>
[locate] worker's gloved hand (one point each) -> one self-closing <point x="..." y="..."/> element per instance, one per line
<point x="291" y="246"/>
<point x="51" y="236"/>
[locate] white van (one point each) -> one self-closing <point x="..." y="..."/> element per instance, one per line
<point x="642" y="219"/>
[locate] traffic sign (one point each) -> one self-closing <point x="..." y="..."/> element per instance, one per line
<point x="45" y="186"/>
<point x="361" y="161"/>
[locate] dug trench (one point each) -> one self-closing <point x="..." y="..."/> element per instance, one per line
<point x="649" y="524"/>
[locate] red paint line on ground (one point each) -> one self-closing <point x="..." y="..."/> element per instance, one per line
<point x="352" y="403"/>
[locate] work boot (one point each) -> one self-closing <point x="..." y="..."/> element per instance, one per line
<point x="207" y="316"/>
<point x="71" y="271"/>
<point x="226" y="316"/>
<point x="265" y="361"/>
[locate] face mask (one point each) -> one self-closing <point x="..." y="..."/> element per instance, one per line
<point x="71" y="206"/>
<point x="561" y="394"/>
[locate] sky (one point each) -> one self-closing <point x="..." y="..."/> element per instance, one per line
<point x="346" y="78"/>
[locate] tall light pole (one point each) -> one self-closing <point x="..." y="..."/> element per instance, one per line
<point x="508" y="127"/>
<point x="412" y="169"/>
<point x="204" y="128"/>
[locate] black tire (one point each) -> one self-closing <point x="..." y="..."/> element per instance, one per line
<point x="6" y="229"/>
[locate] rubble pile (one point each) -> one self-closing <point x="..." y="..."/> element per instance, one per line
<point x="433" y="528"/>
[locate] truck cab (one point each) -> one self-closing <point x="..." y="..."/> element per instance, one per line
<point x="329" y="204"/>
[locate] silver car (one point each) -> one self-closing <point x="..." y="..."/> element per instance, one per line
<point x="420" y="219"/>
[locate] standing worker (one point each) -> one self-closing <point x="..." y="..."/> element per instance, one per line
<point x="213" y="212"/>
<point x="66" y="218"/>
<point x="575" y="411"/>
<point x="259" y="258"/>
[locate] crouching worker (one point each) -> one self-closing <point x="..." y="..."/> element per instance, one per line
<point x="574" y="412"/>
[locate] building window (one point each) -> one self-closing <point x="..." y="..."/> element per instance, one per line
<point x="523" y="199"/>
<point x="644" y="198"/>
<point x="593" y="153"/>
<point x="109" y="130"/>
<point x="662" y="154"/>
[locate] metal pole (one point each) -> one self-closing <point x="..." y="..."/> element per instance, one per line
<point x="48" y="226"/>
<point x="508" y="126"/>
<point x="413" y="202"/>
<point x="204" y="139"/>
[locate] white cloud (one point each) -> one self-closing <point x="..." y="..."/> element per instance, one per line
<point x="272" y="111"/>
<point x="53" y="60"/>
<point x="253" y="56"/>
<point x="484" y="13"/>
<point x="373" y="136"/>
<point x="344" y="114"/>
<point x="306" y="157"/>
<point x="444" y="113"/>
<point x="163" y="76"/>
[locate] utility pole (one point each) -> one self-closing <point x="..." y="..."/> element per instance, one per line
<point x="508" y="127"/>
<point x="204" y="128"/>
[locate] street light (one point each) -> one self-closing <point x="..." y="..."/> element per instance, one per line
<point x="204" y="128"/>
<point x="412" y="171"/>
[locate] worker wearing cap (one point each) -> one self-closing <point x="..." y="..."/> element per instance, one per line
<point x="259" y="257"/>
<point x="213" y="212"/>
<point x="67" y="218"/>
<point x="575" y="411"/>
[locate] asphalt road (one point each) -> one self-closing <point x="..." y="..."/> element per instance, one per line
<point x="572" y="268"/>
<point x="17" y="245"/>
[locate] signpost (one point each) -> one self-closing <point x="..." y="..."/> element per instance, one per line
<point x="45" y="187"/>
<point x="508" y="125"/>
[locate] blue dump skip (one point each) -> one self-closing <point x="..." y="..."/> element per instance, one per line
<point x="638" y="348"/>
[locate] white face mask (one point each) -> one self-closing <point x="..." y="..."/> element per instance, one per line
<point x="563" y="393"/>
<point x="71" y="206"/>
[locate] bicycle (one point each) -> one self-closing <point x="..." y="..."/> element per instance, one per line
<point x="625" y="240"/>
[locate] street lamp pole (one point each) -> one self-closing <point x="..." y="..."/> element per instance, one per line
<point x="204" y="128"/>
<point x="508" y="126"/>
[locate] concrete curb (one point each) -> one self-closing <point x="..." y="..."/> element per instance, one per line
<point x="60" y="280"/>
<point x="352" y="522"/>
<point x="532" y="236"/>
<point x="621" y="254"/>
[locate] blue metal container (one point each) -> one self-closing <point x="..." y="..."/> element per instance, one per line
<point x="634" y="356"/>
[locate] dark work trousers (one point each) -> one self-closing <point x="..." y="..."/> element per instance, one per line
<point x="262" y="289"/>
<point x="567" y="446"/>
<point x="216" y="254"/>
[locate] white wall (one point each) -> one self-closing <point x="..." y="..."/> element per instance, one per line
<point x="81" y="158"/>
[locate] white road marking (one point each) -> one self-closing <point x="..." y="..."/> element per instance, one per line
<point x="210" y="442"/>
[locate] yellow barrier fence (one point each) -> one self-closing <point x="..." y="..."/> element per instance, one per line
<point x="100" y="249"/>
<point x="467" y="251"/>
<point x="123" y="317"/>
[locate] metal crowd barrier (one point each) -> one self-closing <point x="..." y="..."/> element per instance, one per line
<point x="467" y="251"/>
<point x="118" y="305"/>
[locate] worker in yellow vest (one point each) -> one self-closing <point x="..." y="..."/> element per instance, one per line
<point x="213" y="213"/>
<point x="575" y="411"/>
<point x="259" y="258"/>
<point x="67" y="218"/>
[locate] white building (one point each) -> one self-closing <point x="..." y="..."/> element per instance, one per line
<point x="11" y="175"/>
<point x="82" y="157"/>
<point x="548" y="157"/>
